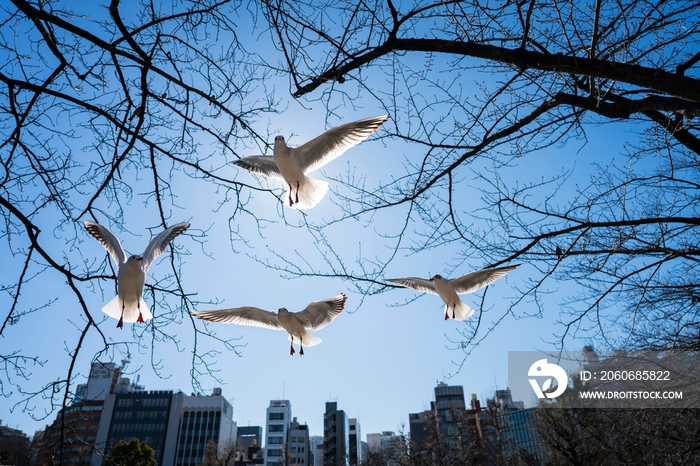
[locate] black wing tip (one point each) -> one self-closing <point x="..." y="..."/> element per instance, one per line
<point x="338" y="301"/>
<point x="377" y="121"/>
<point x="398" y="281"/>
<point x="204" y="315"/>
<point x="247" y="165"/>
<point x="244" y="164"/>
<point x="93" y="228"/>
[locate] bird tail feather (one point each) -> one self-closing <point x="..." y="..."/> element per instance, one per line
<point x="113" y="308"/>
<point x="131" y="311"/>
<point x="311" y="191"/>
<point x="461" y="311"/>
<point x="308" y="339"/>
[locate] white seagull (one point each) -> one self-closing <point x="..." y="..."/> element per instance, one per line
<point x="447" y="289"/>
<point x="317" y="315"/>
<point x="128" y="305"/>
<point x="291" y="164"/>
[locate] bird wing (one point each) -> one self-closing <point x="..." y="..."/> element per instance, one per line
<point x="158" y="244"/>
<point x="245" y="315"/>
<point x="479" y="279"/>
<point x="318" y="314"/>
<point x="264" y="164"/>
<point x="418" y="284"/>
<point x="331" y="144"/>
<point x="108" y="240"/>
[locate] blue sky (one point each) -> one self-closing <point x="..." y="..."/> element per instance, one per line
<point x="380" y="360"/>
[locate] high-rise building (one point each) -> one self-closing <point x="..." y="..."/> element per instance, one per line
<point x="443" y="422"/>
<point x="176" y="426"/>
<point x="15" y="442"/>
<point x="70" y="437"/>
<point x="355" y="442"/>
<point x="504" y="400"/>
<point x="299" y="447"/>
<point x="521" y="437"/>
<point x="316" y="442"/>
<point x="420" y="426"/>
<point x="336" y="436"/>
<point x="249" y="443"/>
<point x="388" y="445"/>
<point x="205" y="419"/>
<point x="450" y="412"/>
<point x="151" y="417"/>
<point x="279" y="415"/>
<point x="449" y="397"/>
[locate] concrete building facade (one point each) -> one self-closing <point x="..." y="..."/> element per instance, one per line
<point x="299" y="446"/>
<point x="278" y="419"/>
<point x="336" y="436"/>
<point x="355" y="442"/>
<point x="176" y="426"/>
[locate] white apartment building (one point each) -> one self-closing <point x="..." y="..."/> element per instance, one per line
<point x="278" y="420"/>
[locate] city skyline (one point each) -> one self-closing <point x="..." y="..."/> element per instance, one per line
<point x="310" y="414"/>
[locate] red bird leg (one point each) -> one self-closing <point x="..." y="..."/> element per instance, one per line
<point x="301" y="347"/>
<point x="120" y="324"/>
<point x="138" y="306"/>
<point x="447" y="315"/>
<point x="297" y="201"/>
<point x="291" y="203"/>
<point x="291" y="348"/>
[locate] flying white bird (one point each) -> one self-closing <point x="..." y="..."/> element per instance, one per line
<point x="128" y="305"/>
<point x="448" y="289"/>
<point x="291" y="164"/>
<point x="317" y="315"/>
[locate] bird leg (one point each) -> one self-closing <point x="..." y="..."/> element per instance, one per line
<point x="447" y="314"/>
<point x="291" y="348"/>
<point x="301" y="347"/>
<point x="120" y="324"/>
<point x="291" y="203"/>
<point x="297" y="199"/>
<point x="140" y="319"/>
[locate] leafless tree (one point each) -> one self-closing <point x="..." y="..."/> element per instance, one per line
<point x="483" y="89"/>
<point x="225" y="457"/>
<point x="110" y="111"/>
<point x="581" y="436"/>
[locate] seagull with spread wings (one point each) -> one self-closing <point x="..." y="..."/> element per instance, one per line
<point x="128" y="305"/>
<point x="292" y="164"/>
<point x="315" y="316"/>
<point x="448" y="289"/>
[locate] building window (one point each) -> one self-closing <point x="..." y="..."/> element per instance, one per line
<point x="276" y="428"/>
<point x="274" y="440"/>
<point x="274" y="453"/>
<point x="276" y="416"/>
